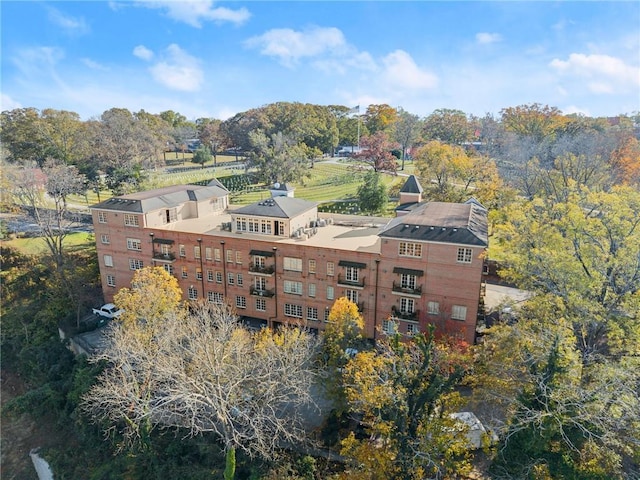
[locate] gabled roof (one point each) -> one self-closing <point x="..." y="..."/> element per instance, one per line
<point x="412" y="185"/>
<point x="279" y="207"/>
<point x="284" y="187"/>
<point x="167" y="197"/>
<point x="463" y="223"/>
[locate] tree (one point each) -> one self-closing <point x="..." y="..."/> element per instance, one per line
<point x="380" y="118"/>
<point x="203" y="372"/>
<point x="278" y="159"/>
<point x="21" y="136"/>
<point x="211" y="135"/>
<point x="625" y="160"/>
<point x="533" y="120"/>
<point x="372" y="194"/>
<point x="202" y="155"/>
<point x="448" y="126"/>
<point x="376" y="153"/>
<point x="406" y="131"/>
<point x="64" y="135"/>
<point x="403" y="393"/>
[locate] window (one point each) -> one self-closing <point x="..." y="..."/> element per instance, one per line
<point x="389" y="327"/>
<point x="259" y="261"/>
<point x="412" y="329"/>
<point x="260" y="284"/>
<point x="108" y="261"/>
<point x="215" y="297"/>
<point x="170" y="215"/>
<point x="312" y="266"/>
<point x="241" y="224"/>
<point x="182" y="251"/>
<point x="135" y="264"/>
<point x="131" y="220"/>
<point x="433" y="308"/>
<point x="330" y="293"/>
<point x="168" y="268"/>
<point x="198" y="273"/>
<point x="216" y="254"/>
<point x="104" y="238"/>
<point x="218" y="277"/>
<point x="238" y="256"/>
<point x="196" y="251"/>
<point x="407" y="249"/>
<point x="407" y="305"/>
<point x="408" y="281"/>
<point x="207" y="253"/>
<point x="291" y="310"/>
<point x="261" y="304"/>
<point x="330" y="269"/>
<point x="102" y="217"/>
<point x="326" y="314"/>
<point x="351" y="274"/>
<point x="111" y="280"/>
<point x="231" y="279"/>
<point x="312" y="289"/>
<point x="209" y="275"/>
<point x="193" y="293"/>
<point x="293" y="264"/>
<point x="465" y="255"/>
<point x="265" y="227"/>
<point x="293" y="287"/>
<point x="239" y="279"/>
<point x="351" y="295"/>
<point x="312" y="313"/>
<point x="134" y="244"/>
<point x="241" y="302"/>
<point x="281" y="228"/>
<point x="185" y="272"/>
<point x="229" y="256"/>
<point x="458" y="312"/>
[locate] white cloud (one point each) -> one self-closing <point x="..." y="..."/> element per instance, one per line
<point x="484" y="38"/>
<point x="32" y="60"/>
<point x="70" y="24"/>
<point x="289" y="46"/>
<point x="568" y="110"/>
<point x="193" y="12"/>
<point x="8" y="103"/>
<point x="606" y="73"/>
<point x="401" y="70"/>
<point x="94" y="65"/>
<point x="179" y="70"/>
<point x="143" y="52"/>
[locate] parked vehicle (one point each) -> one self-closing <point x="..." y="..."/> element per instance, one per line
<point x="108" y="310"/>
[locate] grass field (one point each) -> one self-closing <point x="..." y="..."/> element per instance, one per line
<point x="37" y="245"/>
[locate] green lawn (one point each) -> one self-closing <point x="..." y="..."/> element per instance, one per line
<point x="37" y="245"/>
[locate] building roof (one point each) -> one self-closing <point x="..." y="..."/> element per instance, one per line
<point x="284" y="187"/>
<point x="167" y="197"/>
<point x="278" y="207"/>
<point x="463" y="223"/>
<point x="412" y="185"/>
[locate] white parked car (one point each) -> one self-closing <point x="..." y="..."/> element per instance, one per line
<point x="108" y="310"/>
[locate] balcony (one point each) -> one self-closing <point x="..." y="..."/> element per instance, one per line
<point x="350" y="283"/>
<point x="164" y="257"/>
<point x="261" y="293"/>
<point x="262" y="269"/>
<point x="411" y="316"/>
<point x="404" y="289"/>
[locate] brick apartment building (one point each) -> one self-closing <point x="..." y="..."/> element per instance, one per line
<point x="280" y="261"/>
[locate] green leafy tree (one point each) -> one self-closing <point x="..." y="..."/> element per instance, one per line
<point x="448" y="126"/>
<point x="406" y="131"/>
<point x="380" y="118"/>
<point x="278" y="159"/>
<point x="372" y="194"/>
<point x="202" y="155"/>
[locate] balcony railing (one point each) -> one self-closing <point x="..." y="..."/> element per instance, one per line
<point x="263" y="269"/>
<point x="396" y="313"/>
<point x="167" y="257"/>
<point x="342" y="280"/>
<point x="398" y="287"/>
<point x="261" y="293"/>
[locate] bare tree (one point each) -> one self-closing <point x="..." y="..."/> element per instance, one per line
<point x="203" y="372"/>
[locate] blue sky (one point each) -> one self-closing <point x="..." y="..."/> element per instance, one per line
<point x="215" y="59"/>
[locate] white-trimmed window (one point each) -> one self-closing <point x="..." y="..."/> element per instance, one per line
<point x="108" y="261"/>
<point x="351" y="274"/>
<point x="408" y="281"/>
<point x="261" y="305"/>
<point x="207" y="253"/>
<point x="241" y="302"/>
<point x="196" y="252"/>
<point x="238" y="256"/>
<point x="433" y="308"/>
<point x="259" y="261"/>
<point x="168" y="268"/>
<point x="389" y="327"/>
<point x="185" y="272"/>
<point x="459" y="312"/>
<point x="312" y="266"/>
<point x="131" y="220"/>
<point x="218" y="277"/>
<point x="215" y="297"/>
<point x="170" y="215"/>
<point x="260" y="284"/>
<point x="134" y="244"/>
<point x="281" y="228"/>
<point x="330" y="292"/>
<point x="352" y="295"/>
<point x="312" y="313"/>
<point x="326" y="314"/>
<point x="193" y="293"/>
<point x="407" y="305"/>
<point x="265" y="227"/>
<point x="311" y="289"/>
<point x="293" y="287"/>
<point x="239" y="279"/>
<point x="102" y="217"/>
<point x="292" y="310"/>
<point x="111" y="280"/>
<point x="229" y="256"/>
<point x="216" y="254"/>
<point x="231" y="278"/>
<point x="465" y="255"/>
<point x="409" y="249"/>
<point x="331" y="268"/>
<point x="292" y="264"/>
<point x="209" y="275"/>
<point x="198" y="273"/>
<point x="104" y="238"/>
<point x="135" y="264"/>
<point x="412" y="329"/>
<point x="182" y="251"/>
